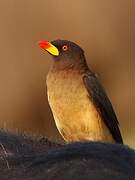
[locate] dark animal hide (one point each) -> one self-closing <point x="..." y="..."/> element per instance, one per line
<point x="25" y="158"/>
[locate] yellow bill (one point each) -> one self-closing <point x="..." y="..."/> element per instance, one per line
<point x="49" y="47"/>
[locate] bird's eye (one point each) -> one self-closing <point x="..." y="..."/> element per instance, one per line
<point x="65" y="48"/>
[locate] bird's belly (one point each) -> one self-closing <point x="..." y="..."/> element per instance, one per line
<point x="75" y="114"/>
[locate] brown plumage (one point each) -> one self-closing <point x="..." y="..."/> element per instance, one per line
<point x="79" y="104"/>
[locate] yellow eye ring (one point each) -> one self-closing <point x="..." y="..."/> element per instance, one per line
<point x="65" y="48"/>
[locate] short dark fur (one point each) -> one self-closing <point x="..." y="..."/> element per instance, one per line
<point x="21" y="144"/>
<point x="87" y="161"/>
<point x="77" y="161"/>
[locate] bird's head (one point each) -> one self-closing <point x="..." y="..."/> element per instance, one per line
<point x="64" y="52"/>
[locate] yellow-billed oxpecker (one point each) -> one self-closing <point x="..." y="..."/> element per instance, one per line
<point x="80" y="106"/>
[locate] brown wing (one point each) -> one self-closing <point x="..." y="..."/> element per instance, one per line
<point x="103" y="105"/>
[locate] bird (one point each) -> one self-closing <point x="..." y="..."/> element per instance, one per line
<point x="80" y="106"/>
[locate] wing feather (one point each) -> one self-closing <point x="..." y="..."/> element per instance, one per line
<point x="103" y="105"/>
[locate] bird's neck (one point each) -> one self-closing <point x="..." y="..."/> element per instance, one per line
<point x="80" y="67"/>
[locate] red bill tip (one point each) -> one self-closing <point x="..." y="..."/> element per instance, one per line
<point x="44" y="44"/>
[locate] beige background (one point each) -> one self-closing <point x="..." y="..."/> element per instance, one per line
<point x="106" y="31"/>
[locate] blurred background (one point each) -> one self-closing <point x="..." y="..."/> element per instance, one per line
<point x="106" y="31"/>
